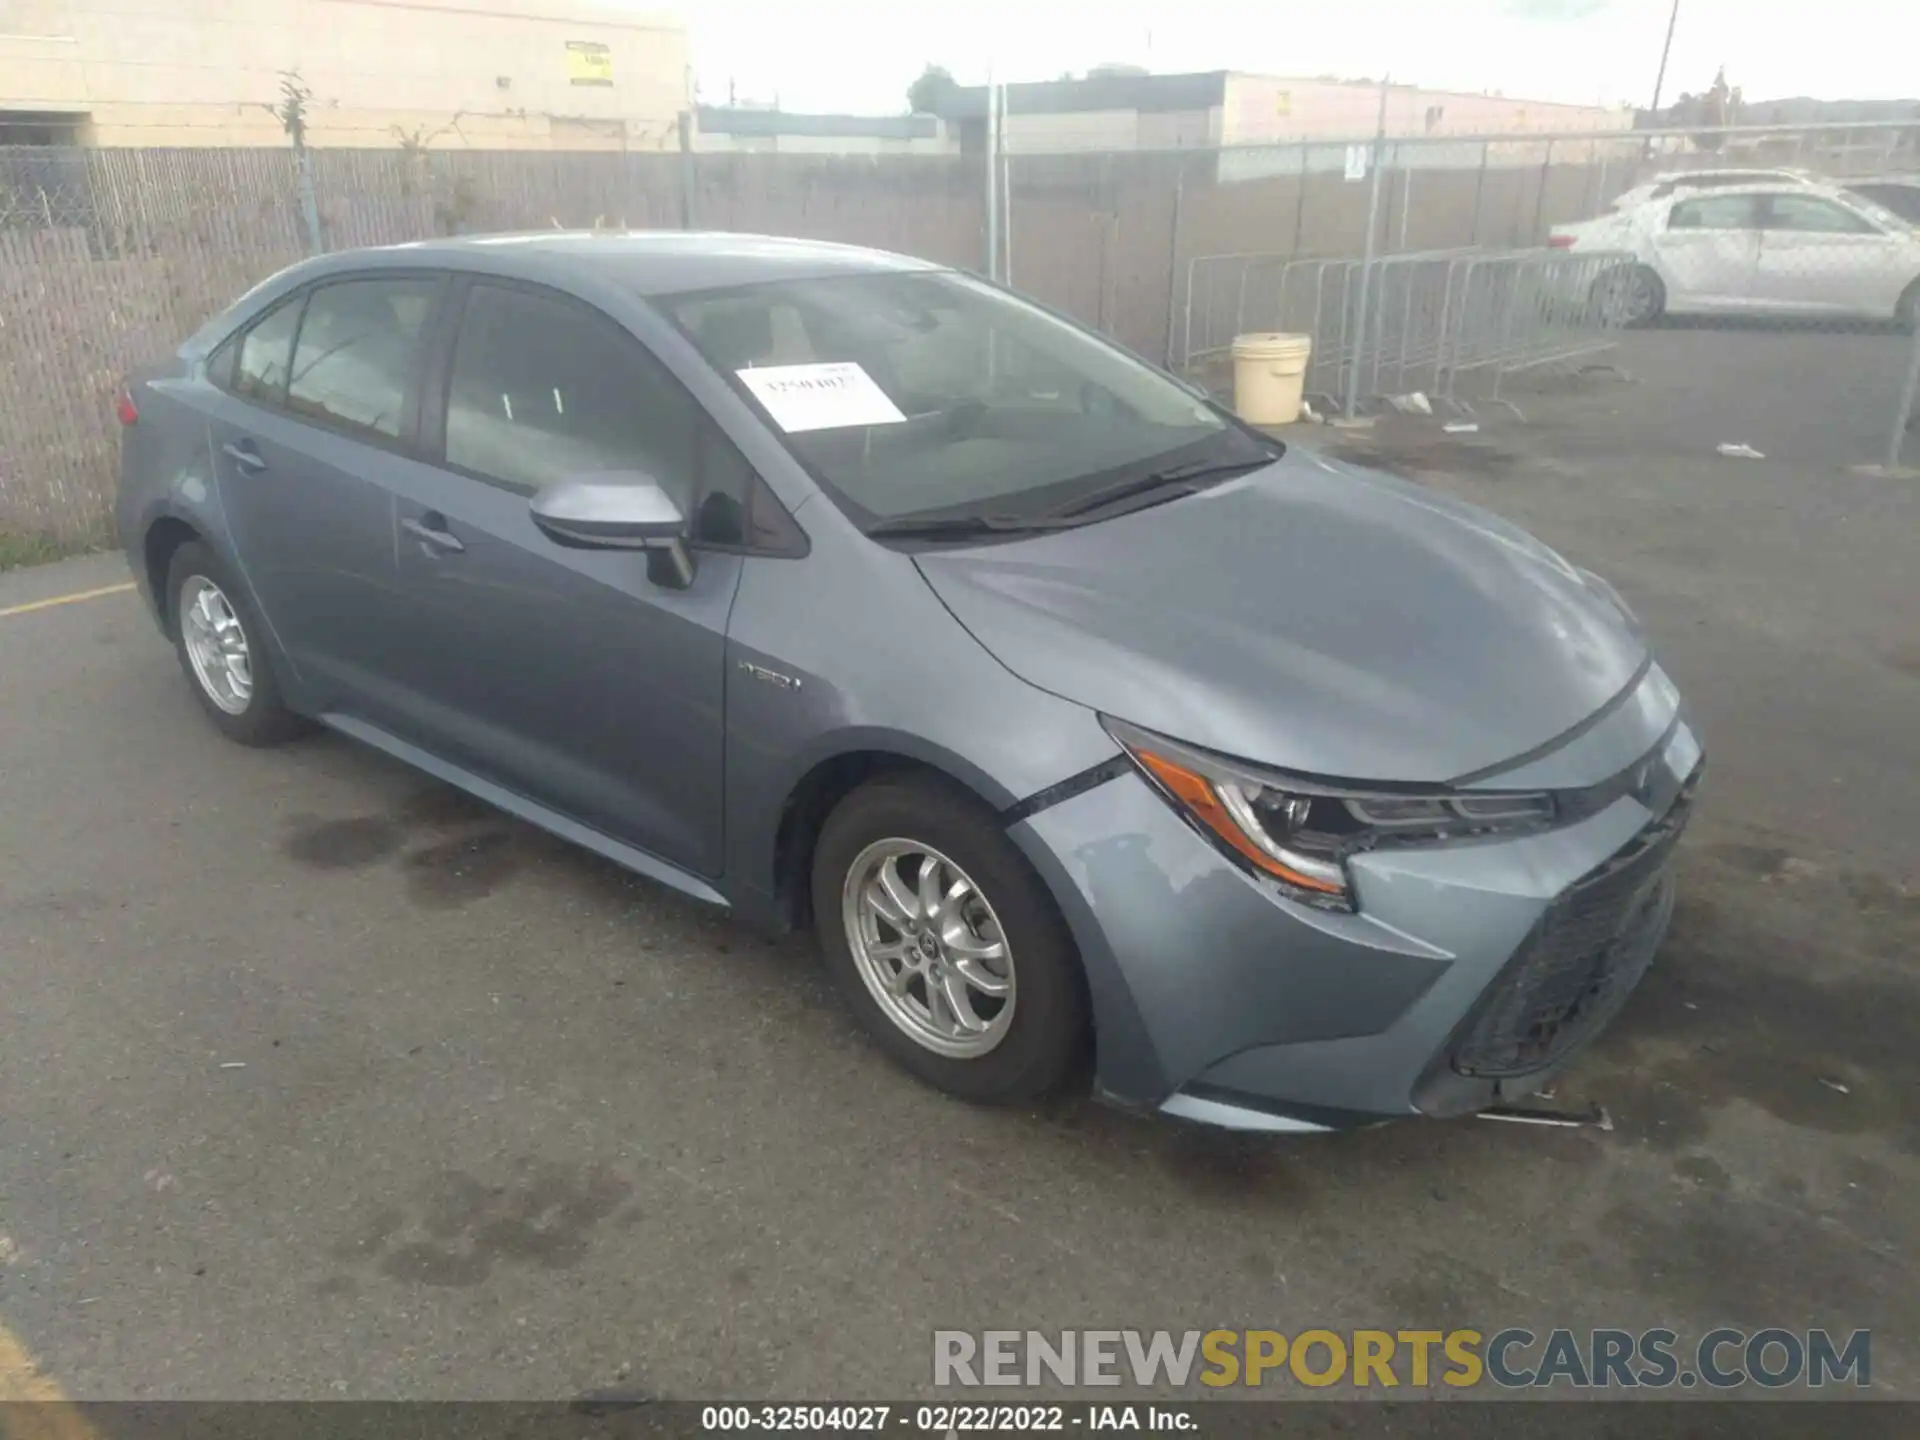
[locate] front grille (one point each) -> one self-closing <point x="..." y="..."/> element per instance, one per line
<point x="1579" y="963"/>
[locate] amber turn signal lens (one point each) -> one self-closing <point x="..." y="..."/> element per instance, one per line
<point x="1196" y="793"/>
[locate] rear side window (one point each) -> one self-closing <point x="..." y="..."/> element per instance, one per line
<point x="1717" y="212"/>
<point x="358" y="352"/>
<point x="543" y="388"/>
<point x="260" y="373"/>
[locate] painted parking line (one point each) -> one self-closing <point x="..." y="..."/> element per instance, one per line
<point x="74" y="598"/>
<point x="32" y="1404"/>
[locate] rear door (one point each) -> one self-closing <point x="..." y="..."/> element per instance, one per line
<point x="1818" y="256"/>
<point x="316" y="404"/>
<point x="1706" y="250"/>
<point x="568" y="675"/>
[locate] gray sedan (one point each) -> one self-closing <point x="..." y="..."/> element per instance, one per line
<point x="1088" y="728"/>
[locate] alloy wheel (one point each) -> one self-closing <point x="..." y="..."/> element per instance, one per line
<point x="216" y="645"/>
<point x="929" y="947"/>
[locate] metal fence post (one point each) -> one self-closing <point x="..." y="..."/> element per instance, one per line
<point x="1540" y="200"/>
<point x="1300" y="204"/>
<point x="1904" y="412"/>
<point x="992" y="134"/>
<point x="1406" y="191"/>
<point x="1173" y="263"/>
<point x="309" y="201"/>
<point x="688" y="175"/>
<point x="1366" y="259"/>
<point x="1479" y="190"/>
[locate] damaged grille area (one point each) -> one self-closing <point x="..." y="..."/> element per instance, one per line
<point x="1582" y="960"/>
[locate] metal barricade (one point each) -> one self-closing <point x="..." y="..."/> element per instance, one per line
<point x="1431" y="318"/>
<point x="1523" y="309"/>
<point x="1229" y="295"/>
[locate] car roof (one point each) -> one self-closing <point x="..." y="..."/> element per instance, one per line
<point x="651" y="262"/>
<point x="1666" y="177"/>
<point x="1821" y="189"/>
<point x="1669" y="182"/>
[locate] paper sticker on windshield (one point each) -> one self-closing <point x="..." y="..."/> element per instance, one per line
<point x="820" y="397"/>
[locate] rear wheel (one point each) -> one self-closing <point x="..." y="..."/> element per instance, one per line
<point x="946" y="944"/>
<point x="1629" y="296"/>
<point x="218" y="639"/>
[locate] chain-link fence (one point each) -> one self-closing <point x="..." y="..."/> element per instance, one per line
<point x="1755" y="276"/>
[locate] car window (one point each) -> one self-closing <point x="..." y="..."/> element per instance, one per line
<point x="545" y="388"/>
<point x="1812" y="214"/>
<point x="1713" y="212"/>
<point x="261" y="371"/>
<point x="358" y="350"/>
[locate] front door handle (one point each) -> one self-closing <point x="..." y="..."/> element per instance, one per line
<point x="242" y="453"/>
<point x="429" y="533"/>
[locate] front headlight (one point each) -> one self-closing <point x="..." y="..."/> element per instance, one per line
<point x="1300" y="832"/>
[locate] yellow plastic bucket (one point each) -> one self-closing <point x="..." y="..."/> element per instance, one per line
<point x="1269" y="373"/>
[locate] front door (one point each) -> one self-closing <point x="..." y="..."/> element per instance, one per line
<point x="1822" y="257"/>
<point x="1706" y="252"/>
<point x="567" y="675"/>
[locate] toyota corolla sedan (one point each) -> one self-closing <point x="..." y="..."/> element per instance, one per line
<point x="1086" y="726"/>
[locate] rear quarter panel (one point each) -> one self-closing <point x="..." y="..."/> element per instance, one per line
<point x="166" y="468"/>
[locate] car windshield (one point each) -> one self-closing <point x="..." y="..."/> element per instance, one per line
<point x="932" y="394"/>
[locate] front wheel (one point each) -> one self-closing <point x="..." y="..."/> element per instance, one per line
<point x="1907" y="313"/>
<point x="946" y="944"/>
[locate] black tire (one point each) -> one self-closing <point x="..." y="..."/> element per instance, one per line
<point x="1045" y="1040"/>
<point x="263" y="718"/>
<point x="1906" y="314"/>
<point x="1631" y="296"/>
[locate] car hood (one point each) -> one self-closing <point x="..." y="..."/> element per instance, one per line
<point x="1310" y="616"/>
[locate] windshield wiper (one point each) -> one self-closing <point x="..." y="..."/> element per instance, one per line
<point x="1184" y="476"/>
<point x="941" y="525"/>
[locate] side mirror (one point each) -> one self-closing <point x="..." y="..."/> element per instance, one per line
<point x="618" y="511"/>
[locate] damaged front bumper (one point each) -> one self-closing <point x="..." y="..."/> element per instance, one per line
<point x="1467" y="977"/>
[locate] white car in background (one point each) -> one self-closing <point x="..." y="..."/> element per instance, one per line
<point x="1804" y="250"/>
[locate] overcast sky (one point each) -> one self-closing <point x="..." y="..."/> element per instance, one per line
<point x="859" y="55"/>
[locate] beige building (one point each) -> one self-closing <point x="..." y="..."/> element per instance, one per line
<point x="496" y="74"/>
<point x="1219" y="108"/>
<point x="727" y="129"/>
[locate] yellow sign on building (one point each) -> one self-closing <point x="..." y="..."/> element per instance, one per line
<point x="589" y="63"/>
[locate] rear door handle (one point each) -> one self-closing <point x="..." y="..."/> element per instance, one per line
<point x="242" y="453"/>
<point x="429" y="533"/>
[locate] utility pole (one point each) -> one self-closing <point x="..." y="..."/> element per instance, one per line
<point x="1660" y="79"/>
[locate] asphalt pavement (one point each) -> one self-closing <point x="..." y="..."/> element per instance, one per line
<point x="322" y="1081"/>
